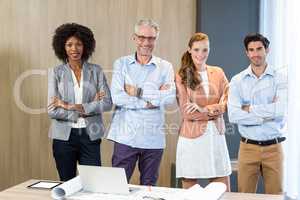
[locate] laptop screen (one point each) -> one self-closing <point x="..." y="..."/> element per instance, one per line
<point x="110" y="180"/>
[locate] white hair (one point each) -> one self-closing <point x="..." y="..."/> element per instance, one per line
<point x="146" y="22"/>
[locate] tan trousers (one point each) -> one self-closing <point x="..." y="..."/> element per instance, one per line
<point x="255" y="160"/>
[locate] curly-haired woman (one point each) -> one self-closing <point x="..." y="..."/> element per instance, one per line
<point x="202" y="97"/>
<point x="78" y="94"/>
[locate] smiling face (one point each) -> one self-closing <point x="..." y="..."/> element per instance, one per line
<point x="257" y="53"/>
<point x="145" y="40"/>
<point x="199" y="52"/>
<point x="74" y="49"/>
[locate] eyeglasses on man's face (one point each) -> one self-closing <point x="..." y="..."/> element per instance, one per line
<point x="143" y="38"/>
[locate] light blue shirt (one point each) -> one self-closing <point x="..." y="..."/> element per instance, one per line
<point x="133" y="124"/>
<point x="267" y="97"/>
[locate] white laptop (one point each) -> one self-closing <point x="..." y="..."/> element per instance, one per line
<point x="110" y="180"/>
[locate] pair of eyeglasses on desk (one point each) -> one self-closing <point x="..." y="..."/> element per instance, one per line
<point x="152" y="198"/>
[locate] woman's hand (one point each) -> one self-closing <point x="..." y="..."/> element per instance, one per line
<point x="193" y="107"/>
<point x="213" y="113"/>
<point x="57" y="103"/>
<point x="99" y="96"/>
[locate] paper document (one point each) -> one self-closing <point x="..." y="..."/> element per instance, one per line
<point x="66" y="189"/>
<point x="73" y="190"/>
<point x="211" y="192"/>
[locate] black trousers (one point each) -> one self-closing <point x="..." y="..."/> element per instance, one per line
<point x="79" y="148"/>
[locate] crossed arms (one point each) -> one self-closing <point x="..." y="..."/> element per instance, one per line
<point x="62" y="110"/>
<point x="131" y="97"/>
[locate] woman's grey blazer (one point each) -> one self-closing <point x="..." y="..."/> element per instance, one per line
<point x="60" y="84"/>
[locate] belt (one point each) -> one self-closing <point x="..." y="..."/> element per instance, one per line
<point x="263" y="143"/>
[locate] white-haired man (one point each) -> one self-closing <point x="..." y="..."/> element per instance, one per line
<point x="142" y="85"/>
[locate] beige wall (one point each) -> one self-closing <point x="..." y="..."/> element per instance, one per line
<point x="25" y="45"/>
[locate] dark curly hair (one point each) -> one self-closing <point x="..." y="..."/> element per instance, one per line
<point x="64" y="32"/>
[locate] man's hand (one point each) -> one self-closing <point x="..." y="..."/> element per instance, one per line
<point x="150" y="106"/>
<point x="99" y="96"/>
<point x="130" y="90"/>
<point x="246" y="108"/>
<point x="164" y="87"/>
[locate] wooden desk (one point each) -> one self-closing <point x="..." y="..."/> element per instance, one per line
<point x="20" y="192"/>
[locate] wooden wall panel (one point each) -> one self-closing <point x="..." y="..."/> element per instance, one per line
<point x="25" y="45"/>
